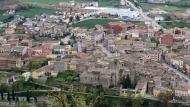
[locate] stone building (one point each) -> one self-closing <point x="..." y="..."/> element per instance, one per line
<point x="107" y="75"/>
<point x="100" y="76"/>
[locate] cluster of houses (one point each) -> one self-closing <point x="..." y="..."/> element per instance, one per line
<point x="103" y="55"/>
<point x="14" y="52"/>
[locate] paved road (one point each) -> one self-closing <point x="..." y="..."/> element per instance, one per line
<point x="177" y="72"/>
<point x="143" y="15"/>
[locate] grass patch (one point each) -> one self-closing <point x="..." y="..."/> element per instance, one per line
<point x="66" y="76"/>
<point x="45" y="1"/>
<point x="35" y="11"/>
<point x="104" y="4"/>
<point x="2" y="30"/>
<point x="174" y="24"/>
<point x="182" y="3"/>
<point x="19" y="32"/>
<point x="170" y="8"/>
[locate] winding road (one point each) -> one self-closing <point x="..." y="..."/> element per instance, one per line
<point x="144" y="17"/>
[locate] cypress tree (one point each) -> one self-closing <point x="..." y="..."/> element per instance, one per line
<point x="28" y="96"/>
<point x="17" y="99"/>
<point x="13" y="94"/>
<point x="126" y="82"/>
<point x="2" y="95"/>
<point x="35" y="99"/>
<point x="8" y="96"/>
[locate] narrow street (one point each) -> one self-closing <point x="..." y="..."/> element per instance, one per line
<point x="108" y="53"/>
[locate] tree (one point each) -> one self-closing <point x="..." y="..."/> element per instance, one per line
<point x="161" y="31"/>
<point x="79" y="100"/>
<point x="168" y="18"/>
<point x="77" y="18"/>
<point x="71" y="19"/>
<point x="17" y="70"/>
<point x="13" y="94"/>
<point x="17" y="99"/>
<point x="45" y="62"/>
<point x="126" y="82"/>
<point x="35" y="65"/>
<point x="28" y="96"/>
<point x="58" y="99"/>
<point x="8" y="96"/>
<point x="41" y="104"/>
<point x="23" y="104"/>
<point x="153" y="40"/>
<point x="35" y="99"/>
<point x="137" y="101"/>
<point x="3" y="88"/>
<point x="165" y="96"/>
<point x="100" y="100"/>
<point x="2" y="95"/>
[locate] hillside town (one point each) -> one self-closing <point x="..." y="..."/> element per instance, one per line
<point x="131" y="54"/>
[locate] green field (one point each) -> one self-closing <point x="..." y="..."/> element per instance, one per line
<point x="173" y="24"/>
<point x="183" y="3"/>
<point x="35" y="11"/>
<point x="180" y="3"/>
<point x="168" y="8"/>
<point x="46" y="1"/>
<point x="92" y="22"/>
<point x="102" y="3"/>
<point x="52" y="1"/>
